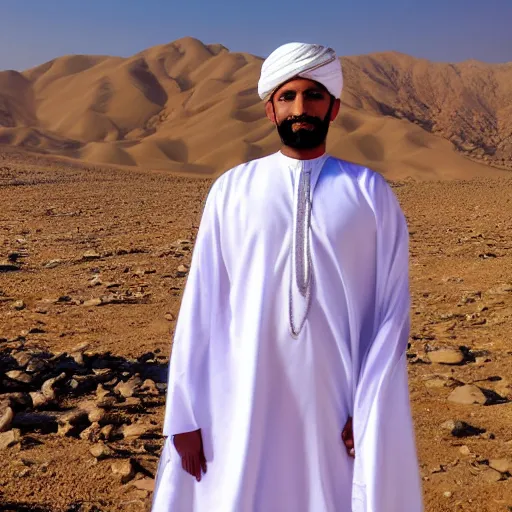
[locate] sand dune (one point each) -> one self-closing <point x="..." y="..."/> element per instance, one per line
<point x="192" y="107"/>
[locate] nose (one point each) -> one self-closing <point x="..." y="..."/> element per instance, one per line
<point x="298" y="105"/>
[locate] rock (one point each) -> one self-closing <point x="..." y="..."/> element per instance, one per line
<point x="18" y="305"/>
<point x="106" y="432"/>
<point x="95" y="281"/>
<point x="6" y="416"/>
<point x="124" y="469"/>
<point x="182" y="271"/>
<point x="464" y="450"/>
<point x="101" y="451"/>
<point x="447" y="494"/>
<point x="149" y="387"/>
<point x="91" y="255"/>
<point x="501" y="465"/>
<point x="136" y="430"/>
<point x="446" y="356"/>
<point x="47" y="387"/>
<point x="436" y="382"/>
<point x="463" y="429"/>
<point x="96" y="415"/>
<point x="92" y="302"/>
<point x="9" y="438"/>
<point x="38" y="399"/>
<point x="169" y="317"/>
<point x="91" y="433"/>
<point x="101" y="392"/>
<point x="490" y="475"/>
<point x="70" y="421"/>
<point x="128" y="388"/>
<point x="145" y="484"/>
<point x="468" y="394"/>
<point x="52" y="263"/>
<point x="22" y="358"/>
<point x="19" y="376"/>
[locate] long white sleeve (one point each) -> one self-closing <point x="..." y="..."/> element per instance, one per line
<point x="189" y="368"/>
<point x="386" y="473"/>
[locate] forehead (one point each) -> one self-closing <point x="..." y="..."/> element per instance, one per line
<point x="300" y="85"/>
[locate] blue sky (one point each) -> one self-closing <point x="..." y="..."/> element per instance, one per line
<point x="35" y="31"/>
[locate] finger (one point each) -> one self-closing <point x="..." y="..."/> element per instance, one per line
<point x="203" y="464"/>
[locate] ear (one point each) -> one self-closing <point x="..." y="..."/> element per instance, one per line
<point x="269" y="110"/>
<point x="335" y="109"/>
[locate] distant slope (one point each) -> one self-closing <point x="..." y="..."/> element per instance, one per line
<point x="186" y="106"/>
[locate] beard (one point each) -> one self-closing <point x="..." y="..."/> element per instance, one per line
<point x="304" y="138"/>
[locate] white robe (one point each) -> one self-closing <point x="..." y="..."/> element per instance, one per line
<point x="272" y="407"/>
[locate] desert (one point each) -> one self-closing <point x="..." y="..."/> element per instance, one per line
<point x="105" y="164"/>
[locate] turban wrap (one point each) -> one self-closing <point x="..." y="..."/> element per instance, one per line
<point x="293" y="60"/>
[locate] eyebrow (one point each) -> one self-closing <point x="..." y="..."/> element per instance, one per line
<point x="309" y="89"/>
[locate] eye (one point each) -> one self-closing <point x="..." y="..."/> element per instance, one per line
<point x="315" y="95"/>
<point x="287" y="96"/>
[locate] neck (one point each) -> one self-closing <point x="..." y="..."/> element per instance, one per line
<point x="303" y="154"/>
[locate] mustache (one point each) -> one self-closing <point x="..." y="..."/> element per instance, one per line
<point x="303" y="118"/>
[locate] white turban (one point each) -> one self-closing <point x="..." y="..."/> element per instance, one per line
<point x="310" y="61"/>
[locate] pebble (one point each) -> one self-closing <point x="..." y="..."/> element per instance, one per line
<point x="91" y="255"/>
<point x="501" y="465"/>
<point x="464" y="450"/>
<point x="18" y="305"/>
<point x="9" y="438"/>
<point x="124" y="469"/>
<point x="468" y="394"/>
<point x="6" y="417"/>
<point x="92" y="302"/>
<point x="490" y="475"/>
<point x="101" y="451"/>
<point x="446" y="356"/>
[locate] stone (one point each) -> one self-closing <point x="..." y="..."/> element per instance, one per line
<point x="128" y="388"/>
<point x="95" y="281"/>
<point x="9" y="438"/>
<point x="447" y="494"/>
<point x="106" y="432"/>
<point x="490" y="475"/>
<point x="18" y="305"/>
<point x="446" y="356"/>
<point x="144" y="484"/>
<point x="6" y="416"/>
<point x="123" y="469"/>
<point x="38" y="399"/>
<point x="501" y="465"/>
<point x="91" y="255"/>
<point x="464" y="450"/>
<point x="149" y="387"/>
<point x="169" y="317"/>
<point x="92" y="302"/>
<point x="182" y="271"/>
<point x="468" y="394"/>
<point x="52" y="263"/>
<point x="19" y="376"/>
<point x="47" y="387"/>
<point x="135" y="430"/>
<point x="22" y="358"/>
<point x="436" y="382"/>
<point x="463" y="429"/>
<point x="91" y="433"/>
<point x="101" y="451"/>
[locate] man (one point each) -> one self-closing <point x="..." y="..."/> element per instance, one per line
<point x="294" y="319"/>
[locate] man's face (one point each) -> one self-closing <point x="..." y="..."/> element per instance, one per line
<point x="302" y="110"/>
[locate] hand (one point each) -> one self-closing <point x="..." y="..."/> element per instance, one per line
<point x="189" y="446"/>
<point x="347" y="436"/>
